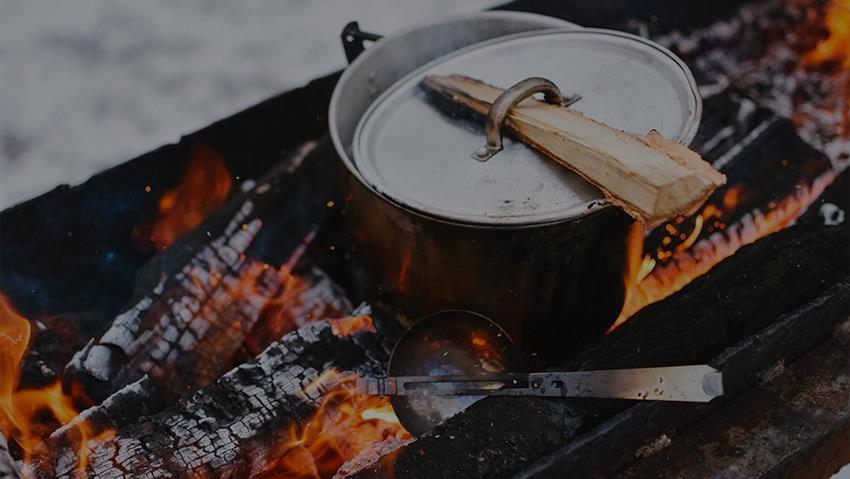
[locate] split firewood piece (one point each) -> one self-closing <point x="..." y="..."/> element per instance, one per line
<point x="236" y="426"/>
<point x="8" y="467"/>
<point x="653" y="179"/>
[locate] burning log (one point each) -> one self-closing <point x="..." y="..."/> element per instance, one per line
<point x="651" y="178"/>
<point x="183" y="333"/>
<point x="8" y="467"/>
<point x="742" y="297"/>
<point x="773" y="175"/>
<point x="236" y="425"/>
<point x="187" y="329"/>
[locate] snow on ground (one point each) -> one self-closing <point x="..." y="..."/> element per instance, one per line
<point x="89" y="84"/>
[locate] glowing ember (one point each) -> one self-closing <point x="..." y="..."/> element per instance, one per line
<point x="836" y="47"/>
<point x="352" y="324"/>
<point x="277" y="318"/>
<point x="345" y="424"/>
<point x="204" y="187"/>
<point x="301" y="300"/>
<point x="686" y="265"/>
<point x="657" y="274"/>
<point x="21" y="411"/>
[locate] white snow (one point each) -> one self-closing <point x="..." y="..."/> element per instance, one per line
<point x="89" y="84"/>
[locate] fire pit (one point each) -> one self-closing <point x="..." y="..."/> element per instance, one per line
<point x="202" y="310"/>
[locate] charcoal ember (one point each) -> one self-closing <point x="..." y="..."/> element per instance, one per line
<point x="728" y="120"/>
<point x="308" y="294"/>
<point x="233" y="426"/>
<point x="8" y="467"/>
<point x="55" y="339"/>
<point x="144" y="397"/>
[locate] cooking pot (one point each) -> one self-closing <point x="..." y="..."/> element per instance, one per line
<point x="517" y="238"/>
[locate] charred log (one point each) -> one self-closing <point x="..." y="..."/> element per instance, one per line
<point x="8" y="467"/>
<point x="186" y="330"/>
<point x="183" y="333"/>
<point x="742" y="297"/>
<point x="795" y="425"/>
<point x="763" y="168"/>
<point x="234" y="426"/>
<point x="626" y="436"/>
<point x="54" y="342"/>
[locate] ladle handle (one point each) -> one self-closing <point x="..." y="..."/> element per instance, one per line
<point x="698" y="383"/>
<point x="503" y="105"/>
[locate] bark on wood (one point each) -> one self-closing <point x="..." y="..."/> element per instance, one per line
<point x="738" y="298"/>
<point x="8" y="467"/>
<point x="791" y="426"/>
<point x="651" y="178"/>
<point x="233" y="427"/>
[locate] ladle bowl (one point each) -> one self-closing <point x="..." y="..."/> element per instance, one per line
<point x="451" y="342"/>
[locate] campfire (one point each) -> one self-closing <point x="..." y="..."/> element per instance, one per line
<point x="236" y="314"/>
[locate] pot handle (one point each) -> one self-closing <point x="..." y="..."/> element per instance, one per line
<point x="506" y="101"/>
<point x="353" y="38"/>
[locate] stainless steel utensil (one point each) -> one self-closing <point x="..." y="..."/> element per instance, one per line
<point x="450" y="359"/>
<point x="698" y="383"/>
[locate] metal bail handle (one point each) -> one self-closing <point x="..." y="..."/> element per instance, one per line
<point x="506" y="101"/>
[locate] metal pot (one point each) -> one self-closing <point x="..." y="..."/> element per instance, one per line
<point x="526" y="242"/>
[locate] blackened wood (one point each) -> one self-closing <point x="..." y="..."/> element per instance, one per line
<point x="8" y="467"/>
<point x="184" y="332"/>
<point x="618" y="441"/>
<point x="234" y="427"/>
<point x="795" y="425"/>
<point x="53" y="342"/>
<point x="762" y="168"/>
<point x="141" y="398"/>
<point x="205" y="294"/>
<point x="739" y="297"/>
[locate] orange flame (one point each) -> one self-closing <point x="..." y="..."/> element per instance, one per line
<point x="204" y="187"/>
<point x="21" y="411"/>
<point x="647" y="282"/>
<point x="685" y="266"/>
<point x="352" y="324"/>
<point x="344" y="424"/>
<point x="836" y="47"/>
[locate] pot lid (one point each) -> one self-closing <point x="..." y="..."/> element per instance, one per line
<point x="414" y="154"/>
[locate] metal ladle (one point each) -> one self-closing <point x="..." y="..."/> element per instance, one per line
<point x="450" y="359"/>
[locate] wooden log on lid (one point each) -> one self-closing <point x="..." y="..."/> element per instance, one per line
<point x="651" y="178"/>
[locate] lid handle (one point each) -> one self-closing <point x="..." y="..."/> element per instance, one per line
<point x="506" y="101"/>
